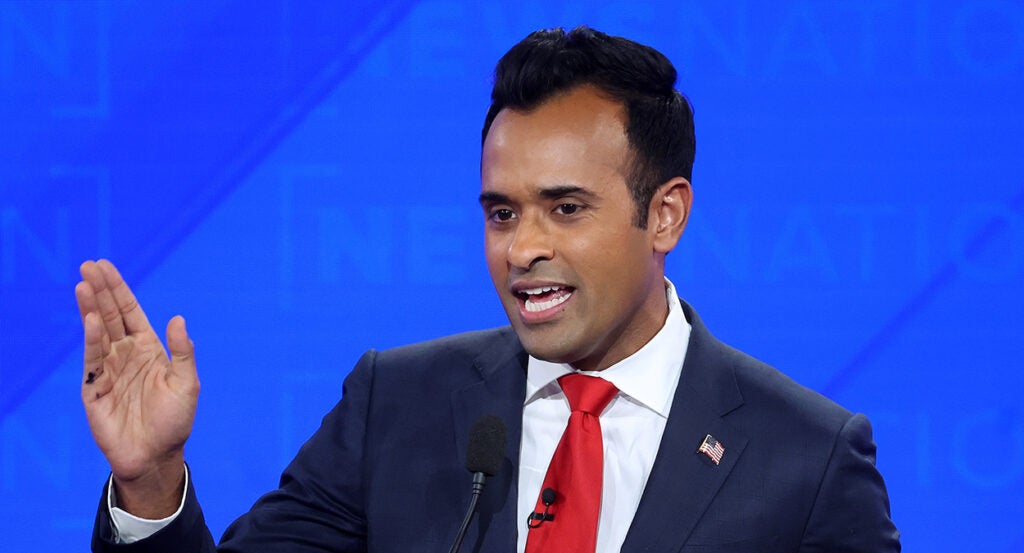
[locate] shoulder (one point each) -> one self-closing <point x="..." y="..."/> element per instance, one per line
<point x="769" y="390"/>
<point x="464" y="347"/>
<point x="451" y="360"/>
<point x="754" y="394"/>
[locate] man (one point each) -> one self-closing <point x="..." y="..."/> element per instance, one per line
<point x="587" y="152"/>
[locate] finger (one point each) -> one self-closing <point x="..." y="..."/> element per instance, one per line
<point x="105" y="303"/>
<point x="134" y="318"/>
<point x="95" y="382"/>
<point x="183" y="362"/>
<point x="86" y="299"/>
<point x="86" y="305"/>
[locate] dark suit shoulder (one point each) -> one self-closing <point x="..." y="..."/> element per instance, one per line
<point x="758" y="397"/>
<point x="745" y="387"/>
<point x="765" y="386"/>
<point x="465" y="348"/>
<point x="448" y="362"/>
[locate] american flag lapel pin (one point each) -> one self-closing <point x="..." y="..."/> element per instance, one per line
<point x="712" y="448"/>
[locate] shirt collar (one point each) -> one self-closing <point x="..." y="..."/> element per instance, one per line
<point x="647" y="377"/>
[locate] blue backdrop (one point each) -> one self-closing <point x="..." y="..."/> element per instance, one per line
<point x="299" y="180"/>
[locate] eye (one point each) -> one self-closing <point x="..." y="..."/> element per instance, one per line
<point x="502" y="214"/>
<point x="567" y="209"/>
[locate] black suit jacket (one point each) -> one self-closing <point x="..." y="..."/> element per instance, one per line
<point x="385" y="472"/>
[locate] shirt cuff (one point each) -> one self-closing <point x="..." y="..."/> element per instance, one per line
<point x="129" y="528"/>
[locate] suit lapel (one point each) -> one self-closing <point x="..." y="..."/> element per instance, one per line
<point x="500" y="391"/>
<point x="683" y="481"/>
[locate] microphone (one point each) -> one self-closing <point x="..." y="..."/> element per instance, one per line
<point x="484" y="456"/>
<point x="547" y="497"/>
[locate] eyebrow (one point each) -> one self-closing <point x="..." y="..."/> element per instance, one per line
<point x="492" y="198"/>
<point x="555" y="192"/>
<point x="550" y="193"/>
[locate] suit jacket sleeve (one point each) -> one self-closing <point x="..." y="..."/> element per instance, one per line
<point x="851" y="510"/>
<point x="187" y="532"/>
<point x="318" y="506"/>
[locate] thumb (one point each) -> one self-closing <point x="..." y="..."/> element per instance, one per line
<point x="182" y="350"/>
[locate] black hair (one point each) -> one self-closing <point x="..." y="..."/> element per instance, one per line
<point x="659" y="119"/>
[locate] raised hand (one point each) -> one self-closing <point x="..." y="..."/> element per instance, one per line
<point x="140" y="403"/>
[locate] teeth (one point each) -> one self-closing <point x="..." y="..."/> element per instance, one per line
<point x="541" y="290"/>
<point x="535" y="306"/>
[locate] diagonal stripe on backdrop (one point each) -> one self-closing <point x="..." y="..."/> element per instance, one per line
<point x="942" y="278"/>
<point x="191" y="114"/>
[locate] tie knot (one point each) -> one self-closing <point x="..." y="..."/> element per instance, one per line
<point x="589" y="394"/>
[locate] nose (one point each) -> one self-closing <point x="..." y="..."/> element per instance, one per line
<point x="530" y="243"/>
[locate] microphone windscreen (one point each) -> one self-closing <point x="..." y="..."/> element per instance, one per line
<point x="486" y="448"/>
<point x="547" y="496"/>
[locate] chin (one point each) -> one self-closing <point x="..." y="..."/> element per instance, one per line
<point x="545" y="350"/>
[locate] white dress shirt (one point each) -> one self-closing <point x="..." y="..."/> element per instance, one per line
<point x="631" y="425"/>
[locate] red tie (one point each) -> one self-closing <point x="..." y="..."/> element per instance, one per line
<point x="574" y="473"/>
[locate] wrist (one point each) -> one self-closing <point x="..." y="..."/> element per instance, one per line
<point x="155" y="494"/>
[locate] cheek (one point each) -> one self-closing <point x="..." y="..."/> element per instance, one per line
<point x="615" y="248"/>
<point x="494" y="254"/>
<point x="613" y="260"/>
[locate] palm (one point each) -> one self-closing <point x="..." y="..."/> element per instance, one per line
<point x="139" y="402"/>
<point x="146" y="413"/>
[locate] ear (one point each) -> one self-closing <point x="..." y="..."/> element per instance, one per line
<point x="668" y="213"/>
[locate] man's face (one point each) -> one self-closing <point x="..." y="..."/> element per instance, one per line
<point x="579" y="282"/>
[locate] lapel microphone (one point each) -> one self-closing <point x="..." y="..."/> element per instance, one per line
<point x="547" y="497"/>
<point x="484" y="455"/>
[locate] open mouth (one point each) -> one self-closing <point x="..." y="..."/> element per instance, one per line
<point x="543" y="298"/>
